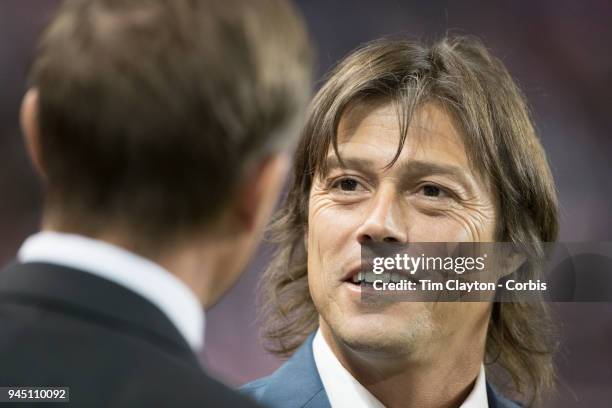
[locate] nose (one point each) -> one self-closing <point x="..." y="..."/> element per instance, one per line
<point x="384" y="221"/>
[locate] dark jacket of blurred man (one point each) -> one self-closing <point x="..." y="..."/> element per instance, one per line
<point x="408" y="143"/>
<point x="160" y="129"/>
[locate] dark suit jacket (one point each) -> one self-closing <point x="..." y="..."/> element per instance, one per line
<point x="297" y="384"/>
<point x="112" y="347"/>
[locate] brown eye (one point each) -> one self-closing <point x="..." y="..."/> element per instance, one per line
<point x="348" y="184"/>
<point x="431" y="191"/>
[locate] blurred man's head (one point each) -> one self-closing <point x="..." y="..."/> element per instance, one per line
<point x="409" y="143"/>
<point x="163" y="123"/>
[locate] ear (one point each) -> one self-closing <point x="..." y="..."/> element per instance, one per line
<point x="515" y="261"/>
<point x="260" y="191"/>
<point x="30" y="129"/>
<point x="511" y="261"/>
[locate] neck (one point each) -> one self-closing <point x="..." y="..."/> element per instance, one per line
<point x="442" y="377"/>
<point x="189" y="262"/>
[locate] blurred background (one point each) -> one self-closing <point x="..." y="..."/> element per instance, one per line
<point x="559" y="53"/>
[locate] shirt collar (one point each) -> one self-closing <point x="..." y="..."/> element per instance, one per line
<point x="140" y="275"/>
<point x="478" y="396"/>
<point x="343" y="390"/>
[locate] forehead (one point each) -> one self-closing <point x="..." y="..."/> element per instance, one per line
<point x="374" y="130"/>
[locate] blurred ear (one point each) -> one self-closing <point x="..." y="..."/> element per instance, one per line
<point x="30" y="129"/>
<point x="515" y="261"/>
<point x="260" y="191"/>
<point x="511" y="262"/>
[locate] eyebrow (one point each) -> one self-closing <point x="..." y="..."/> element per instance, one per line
<point x="410" y="169"/>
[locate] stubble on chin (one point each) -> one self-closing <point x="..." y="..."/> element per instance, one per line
<point x="396" y="339"/>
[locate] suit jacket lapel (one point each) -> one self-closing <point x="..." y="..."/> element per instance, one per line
<point x="496" y="400"/>
<point x="297" y="382"/>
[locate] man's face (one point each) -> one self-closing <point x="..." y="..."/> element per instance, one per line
<point x="430" y="194"/>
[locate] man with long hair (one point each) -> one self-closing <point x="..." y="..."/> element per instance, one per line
<point x="407" y="143"/>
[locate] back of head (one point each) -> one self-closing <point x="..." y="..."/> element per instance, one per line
<point x="151" y="111"/>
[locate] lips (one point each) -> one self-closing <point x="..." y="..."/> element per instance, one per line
<point x="352" y="274"/>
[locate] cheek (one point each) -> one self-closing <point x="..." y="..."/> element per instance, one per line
<point x="468" y="318"/>
<point x="330" y="243"/>
<point x="331" y="227"/>
<point x="458" y="225"/>
<point x="476" y="224"/>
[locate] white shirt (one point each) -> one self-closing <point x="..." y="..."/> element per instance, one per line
<point x="343" y="390"/>
<point x="140" y="275"/>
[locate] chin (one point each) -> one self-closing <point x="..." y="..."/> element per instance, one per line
<point x="384" y="334"/>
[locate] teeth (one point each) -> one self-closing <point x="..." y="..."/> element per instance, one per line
<point x="371" y="277"/>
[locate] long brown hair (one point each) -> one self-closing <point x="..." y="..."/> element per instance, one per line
<point x="460" y="74"/>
